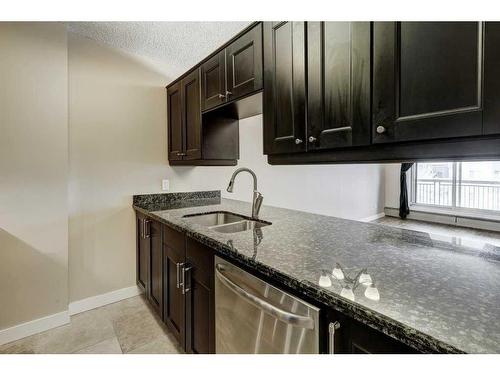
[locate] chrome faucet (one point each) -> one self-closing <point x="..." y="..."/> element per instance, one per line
<point x="257" y="197"/>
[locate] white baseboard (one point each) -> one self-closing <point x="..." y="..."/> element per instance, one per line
<point x="32" y="327"/>
<point x="373" y="217"/>
<point x="52" y="321"/>
<point x="102" y="300"/>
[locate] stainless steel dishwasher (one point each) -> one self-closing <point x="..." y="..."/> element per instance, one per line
<point x="252" y="316"/>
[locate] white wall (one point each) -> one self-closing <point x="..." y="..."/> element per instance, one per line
<point x="33" y="171"/>
<point x="392" y="182"/>
<point x="117" y="147"/>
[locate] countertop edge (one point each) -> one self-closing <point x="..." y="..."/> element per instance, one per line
<point x="380" y="322"/>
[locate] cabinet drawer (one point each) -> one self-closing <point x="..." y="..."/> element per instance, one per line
<point x="201" y="258"/>
<point x="173" y="238"/>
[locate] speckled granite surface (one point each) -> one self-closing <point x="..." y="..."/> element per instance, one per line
<point x="433" y="294"/>
<point x="158" y="202"/>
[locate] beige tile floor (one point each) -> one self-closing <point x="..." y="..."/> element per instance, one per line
<point x="128" y="326"/>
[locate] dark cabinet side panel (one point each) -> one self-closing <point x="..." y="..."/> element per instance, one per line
<point x="244" y="64"/>
<point x="155" y="294"/>
<point x="491" y="121"/>
<point x="175" y="122"/>
<point x="427" y="80"/>
<point x="192" y="115"/>
<point x="338" y="84"/>
<point x="285" y="91"/>
<point x="213" y="81"/>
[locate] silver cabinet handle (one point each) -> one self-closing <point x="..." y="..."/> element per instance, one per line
<point x="145" y="232"/>
<point x="181" y="154"/>
<point x="228" y="93"/>
<point x="178" y="276"/>
<point x="332" y="327"/>
<point x="141" y="228"/>
<point x="380" y="129"/>
<point x="312" y="139"/>
<point x="221" y="96"/>
<point x="298" y="141"/>
<point x="278" y="313"/>
<point x="186" y="282"/>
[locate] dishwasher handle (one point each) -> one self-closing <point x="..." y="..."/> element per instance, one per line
<point x="305" y="322"/>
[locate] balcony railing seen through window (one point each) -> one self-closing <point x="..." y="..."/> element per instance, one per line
<point x="468" y="185"/>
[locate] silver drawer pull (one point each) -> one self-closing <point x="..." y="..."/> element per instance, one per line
<point x="278" y="313"/>
<point x="178" y="279"/>
<point x="186" y="280"/>
<point x="332" y="327"/>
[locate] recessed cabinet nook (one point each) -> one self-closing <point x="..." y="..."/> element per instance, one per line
<point x="336" y="92"/>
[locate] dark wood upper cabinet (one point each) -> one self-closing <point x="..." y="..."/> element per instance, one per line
<point x="192" y="115"/>
<point x="338" y="72"/>
<point x="143" y="252"/>
<point x="427" y="80"/>
<point x="213" y="81"/>
<point x="285" y="87"/>
<point x="244" y="64"/>
<point x="175" y="122"/>
<point x="491" y="117"/>
<point x="184" y="118"/>
<point x="155" y="292"/>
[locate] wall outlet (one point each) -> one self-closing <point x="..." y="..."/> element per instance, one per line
<point x="165" y="185"/>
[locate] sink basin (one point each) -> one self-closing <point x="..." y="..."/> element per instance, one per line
<point x="226" y="222"/>
<point x="240" y="226"/>
<point x="211" y="219"/>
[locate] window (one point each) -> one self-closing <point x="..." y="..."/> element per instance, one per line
<point x="459" y="185"/>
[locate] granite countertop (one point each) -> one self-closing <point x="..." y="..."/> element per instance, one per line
<point x="433" y="294"/>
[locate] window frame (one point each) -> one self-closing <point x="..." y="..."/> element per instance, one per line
<point x="456" y="191"/>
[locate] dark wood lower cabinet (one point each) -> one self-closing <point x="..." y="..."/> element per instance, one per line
<point x="177" y="274"/>
<point x="155" y="290"/>
<point x="343" y="335"/>
<point x="143" y="250"/>
<point x="173" y="302"/>
<point x="200" y="301"/>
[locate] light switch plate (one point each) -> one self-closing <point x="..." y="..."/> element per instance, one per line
<point x="165" y="185"/>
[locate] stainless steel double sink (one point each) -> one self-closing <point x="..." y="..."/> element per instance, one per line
<point x="226" y="222"/>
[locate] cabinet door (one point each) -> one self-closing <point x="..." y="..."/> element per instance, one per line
<point x="173" y="299"/>
<point x="200" y="308"/>
<point x="155" y="293"/>
<point x="192" y="115"/>
<point x="213" y="81"/>
<point x="143" y="251"/>
<point x="244" y="64"/>
<point x="338" y="55"/>
<point x="491" y="124"/>
<point x="365" y="340"/>
<point x="175" y="122"/>
<point x="427" y="80"/>
<point x="285" y="93"/>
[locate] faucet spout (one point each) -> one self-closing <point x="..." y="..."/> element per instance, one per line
<point x="257" y="197"/>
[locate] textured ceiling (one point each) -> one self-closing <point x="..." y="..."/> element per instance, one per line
<point x="178" y="45"/>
